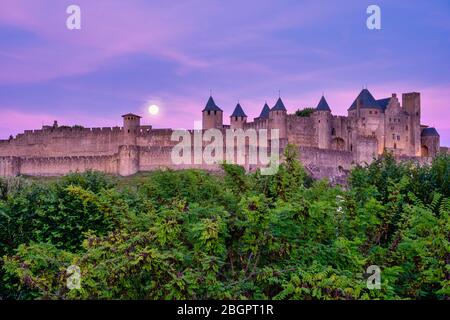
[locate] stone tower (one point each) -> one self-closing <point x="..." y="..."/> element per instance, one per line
<point x="238" y="118"/>
<point x="129" y="151"/>
<point x="212" y="116"/>
<point x="411" y="104"/>
<point x="367" y="126"/>
<point x="430" y="142"/>
<point x="322" y="114"/>
<point x="277" y="118"/>
<point x="131" y="124"/>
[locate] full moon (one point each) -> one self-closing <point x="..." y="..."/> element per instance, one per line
<point x="153" y="109"/>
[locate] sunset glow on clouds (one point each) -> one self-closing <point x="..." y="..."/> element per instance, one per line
<point x="130" y="54"/>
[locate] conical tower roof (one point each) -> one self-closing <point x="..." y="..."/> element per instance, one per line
<point x="279" y="106"/>
<point x="265" y="112"/>
<point x="211" y="105"/>
<point x="323" y="105"/>
<point x="238" y="111"/>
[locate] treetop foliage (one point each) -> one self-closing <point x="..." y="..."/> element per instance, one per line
<point x="195" y="235"/>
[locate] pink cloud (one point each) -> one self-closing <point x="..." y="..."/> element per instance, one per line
<point x="176" y="32"/>
<point x="109" y="29"/>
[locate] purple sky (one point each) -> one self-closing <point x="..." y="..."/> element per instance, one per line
<point x="133" y="53"/>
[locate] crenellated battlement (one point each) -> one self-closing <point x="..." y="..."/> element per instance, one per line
<point x="68" y="131"/>
<point x="326" y="141"/>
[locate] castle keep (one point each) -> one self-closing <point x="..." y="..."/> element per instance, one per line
<point x="328" y="144"/>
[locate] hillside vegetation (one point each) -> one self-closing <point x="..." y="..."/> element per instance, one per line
<point x="194" y="235"/>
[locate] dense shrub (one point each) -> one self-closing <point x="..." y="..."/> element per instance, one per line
<point x="194" y="235"/>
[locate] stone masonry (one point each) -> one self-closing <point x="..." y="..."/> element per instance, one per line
<point x="329" y="145"/>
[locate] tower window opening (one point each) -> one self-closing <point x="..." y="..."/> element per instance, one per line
<point x="395" y="146"/>
<point x="209" y="112"/>
<point x="398" y="137"/>
<point x="215" y="112"/>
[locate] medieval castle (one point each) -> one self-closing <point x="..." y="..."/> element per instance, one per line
<point x="328" y="144"/>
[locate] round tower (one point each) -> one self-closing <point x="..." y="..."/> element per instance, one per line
<point x="277" y="118"/>
<point x="129" y="151"/>
<point x="322" y="114"/>
<point x="238" y="118"/>
<point x="212" y="116"/>
<point x="131" y="124"/>
<point x="430" y="142"/>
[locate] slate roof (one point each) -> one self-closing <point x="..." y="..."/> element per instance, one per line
<point x="367" y="101"/>
<point x="323" y="105"/>
<point x="384" y="102"/>
<point x="429" y="132"/>
<point x="238" y="112"/>
<point x="131" y="115"/>
<point x="211" y="105"/>
<point x="264" y="112"/>
<point x="279" y="106"/>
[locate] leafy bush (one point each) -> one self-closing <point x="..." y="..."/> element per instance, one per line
<point x="194" y="235"/>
